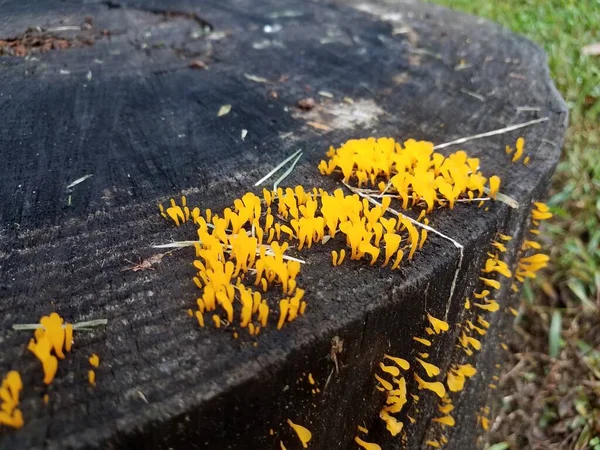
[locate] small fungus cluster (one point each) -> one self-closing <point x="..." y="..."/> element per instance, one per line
<point x="52" y="338"/>
<point x="94" y="361"/>
<point x="530" y="264"/>
<point x="242" y="254"/>
<point x="518" y="151"/>
<point x="412" y="171"/>
<point x="10" y="414"/>
<point x="492" y="272"/>
<point x="396" y="395"/>
<point x="395" y="391"/>
<point x="483" y="418"/>
<point x="48" y="343"/>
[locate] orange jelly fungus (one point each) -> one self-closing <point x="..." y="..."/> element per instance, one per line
<point x="431" y="369"/>
<point x="50" y="338"/>
<point x="412" y="171"/>
<point x="303" y="433"/>
<point x="94" y="360"/>
<point x="10" y="414"/>
<point x="366" y="445"/>
<point x="423" y="341"/>
<point x="402" y="363"/>
<point x="245" y="248"/>
<point x="445" y="420"/>
<point x="438" y="325"/>
<point x="435" y="386"/>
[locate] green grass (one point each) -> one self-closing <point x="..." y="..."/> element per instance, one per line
<point x="560" y="324"/>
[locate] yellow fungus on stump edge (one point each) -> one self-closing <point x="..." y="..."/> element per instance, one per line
<point x="94" y="360"/>
<point x="437" y="324"/>
<point x="435" y="386"/>
<point x="303" y="433"/>
<point x="366" y="445"/>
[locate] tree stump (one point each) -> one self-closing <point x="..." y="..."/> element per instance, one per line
<point x="130" y="93"/>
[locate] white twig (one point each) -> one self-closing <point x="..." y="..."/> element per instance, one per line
<point x="76" y="326"/>
<point x="79" y="180"/>
<point x="183" y="244"/>
<point x="286" y="173"/>
<point x="528" y="109"/>
<point x="387" y="186"/>
<point x="481" y="98"/>
<point x="178" y="244"/>
<point x="478" y="199"/>
<point x="279" y="166"/>
<point x="490" y="133"/>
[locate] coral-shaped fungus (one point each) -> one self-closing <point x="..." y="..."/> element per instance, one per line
<point x="412" y="171"/>
<point x="10" y="414"/>
<point x="48" y="343"/>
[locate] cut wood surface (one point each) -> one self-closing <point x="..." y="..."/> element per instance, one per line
<point x="138" y="102"/>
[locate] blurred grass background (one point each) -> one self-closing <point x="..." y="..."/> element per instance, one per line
<point x="551" y="396"/>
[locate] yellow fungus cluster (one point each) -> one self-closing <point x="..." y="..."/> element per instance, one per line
<point x="446" y="420"/>
<point x="395" y="392"/>
<point x="179" y="214"/>
<point x="411" y="171"/>
<point x="457" y="375"/>
<point x="10" y="414"/>
<point x="437" y="325"/>
<point x="483" y="418"/>
<point x="493" y="268"/>
<point x="529" y="264"/>
<point x="518" y="152"/>
<point x="434" y="386"/>
<point x="52" y="338"/>
<point x="251" y="240"/>
<point x="48" y="343"/>
<point x="94" y="361"/>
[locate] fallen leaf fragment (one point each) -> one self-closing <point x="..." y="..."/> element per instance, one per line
<point x="306" y="104"/>
<point x="197" y="64"/>
<point x="224" y="110"/>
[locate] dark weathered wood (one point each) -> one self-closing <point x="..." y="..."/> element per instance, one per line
<point x="125" y="105"/>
